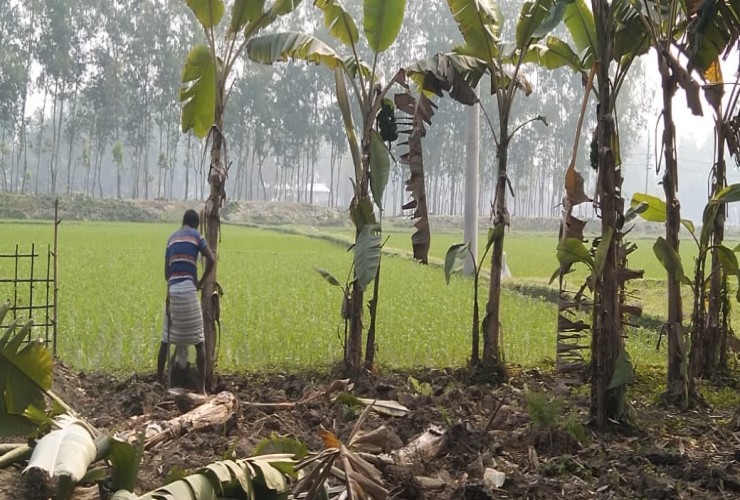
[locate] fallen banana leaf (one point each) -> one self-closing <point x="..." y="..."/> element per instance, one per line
<point x="226" y="478"/>
<point x="386" y="407"/>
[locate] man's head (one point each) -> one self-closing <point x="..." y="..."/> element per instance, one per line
<point x="191" y="219"/>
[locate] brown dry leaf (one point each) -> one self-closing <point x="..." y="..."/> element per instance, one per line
<point x="573" y="227"/>
<point x="574" y="187"/>
<point x="533" y="459"/>
<point x="329" y="439"/>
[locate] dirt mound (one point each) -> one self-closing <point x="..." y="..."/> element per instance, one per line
<point x="489" y="428"/>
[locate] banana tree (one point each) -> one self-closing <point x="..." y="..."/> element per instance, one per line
<point x="665" y="25"/>
<point x="382" y="20"/>
<point x="654" y="209"/>
<point x="479" y="22"/>
<point x="204" y="93"/>
<point x="607" y="41"/>
<point x="713" y="29"/>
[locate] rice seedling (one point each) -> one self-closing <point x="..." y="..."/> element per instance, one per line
<point x="277" y="312"/>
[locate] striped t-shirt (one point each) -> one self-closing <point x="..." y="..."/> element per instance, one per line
<point x="182" y="255"/>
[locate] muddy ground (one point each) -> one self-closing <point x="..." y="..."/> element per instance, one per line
<point x="665" y="454"/>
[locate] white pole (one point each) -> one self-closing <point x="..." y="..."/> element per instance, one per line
<point x="471" y="185"/>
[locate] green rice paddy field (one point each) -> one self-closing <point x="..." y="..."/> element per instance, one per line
<point x="277" y="312"/>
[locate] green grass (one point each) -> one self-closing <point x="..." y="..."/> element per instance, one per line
<point x="277" y="311"/>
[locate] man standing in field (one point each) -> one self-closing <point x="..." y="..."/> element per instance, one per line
<point x="183" y="321"/>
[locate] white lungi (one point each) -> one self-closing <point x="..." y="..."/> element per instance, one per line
<point x="187" y="317"/>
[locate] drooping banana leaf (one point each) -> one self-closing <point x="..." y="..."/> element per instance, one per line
<point x="208" y="12"/>
<point x="714" y="28"/>
<point x="553" y="53"/>
<point x="25" y="376"/>
<point x="367" y="254"/>
<point x="340" y="24"/>
<point x="381" y="21"/>
<point x="243" y="12"/>
<point x="455" y="259"/>
<point x="537" y="18"/>
<point x="380" y="166"/>
<point x="452" y="73"/>
<point x="579" y="20"/>
<point x="669" y="258"/>
<point x="422" y="110"/>
<point x="198" y="91"/>
<point x="281" y="47"/>
<point x="479" y="22"/>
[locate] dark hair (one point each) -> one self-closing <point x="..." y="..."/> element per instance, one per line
<point x="191" y="218"/>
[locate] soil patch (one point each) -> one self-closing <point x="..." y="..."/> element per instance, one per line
<point x="665" y="455"/>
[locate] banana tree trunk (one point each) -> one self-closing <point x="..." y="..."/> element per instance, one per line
<point x="353" y="349"/>
<point x="373" y="309"/>
<point x="212" y="220"/>
<point x="709" y="336"/>
<point x="491" y="360"/>
<point x="677" y="390"/>
<point x="606" y="339"/>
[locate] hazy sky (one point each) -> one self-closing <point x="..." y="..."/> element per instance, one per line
<point x="695" y="146"/>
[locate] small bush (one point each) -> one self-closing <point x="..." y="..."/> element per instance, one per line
<point x="575" y="429"/>
<point x="544" y="411"/>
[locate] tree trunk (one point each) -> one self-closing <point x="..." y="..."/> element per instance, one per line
<point x="710" y="328"/>
<point x="677" y="390"/>
<point x="332" y="164"/>
<point x="606" y="340"/>
<point x="147" y="131"/>
<point x="187" y="168"/>
<point x="491" y="360"/>
<point x="161" y="162"/>
<point x="339" y="172"/>
<point x="353" y="348"/>
<point x="211" y="222"/>
<point x="53" y="137"/>
<point x="72" y="136"/>
<point x="40" y="142"/>
<point x="99" y="168"/>
<point x="26" y="80"/>
<point x="373" y="308"/>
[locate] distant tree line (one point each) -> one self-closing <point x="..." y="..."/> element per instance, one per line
<point x="89" y="104"/>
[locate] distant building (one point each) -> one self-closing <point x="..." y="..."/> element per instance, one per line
<point x="289" y="193"/>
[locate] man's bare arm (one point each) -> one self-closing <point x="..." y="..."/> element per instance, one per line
<point x="210" y="262"/>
